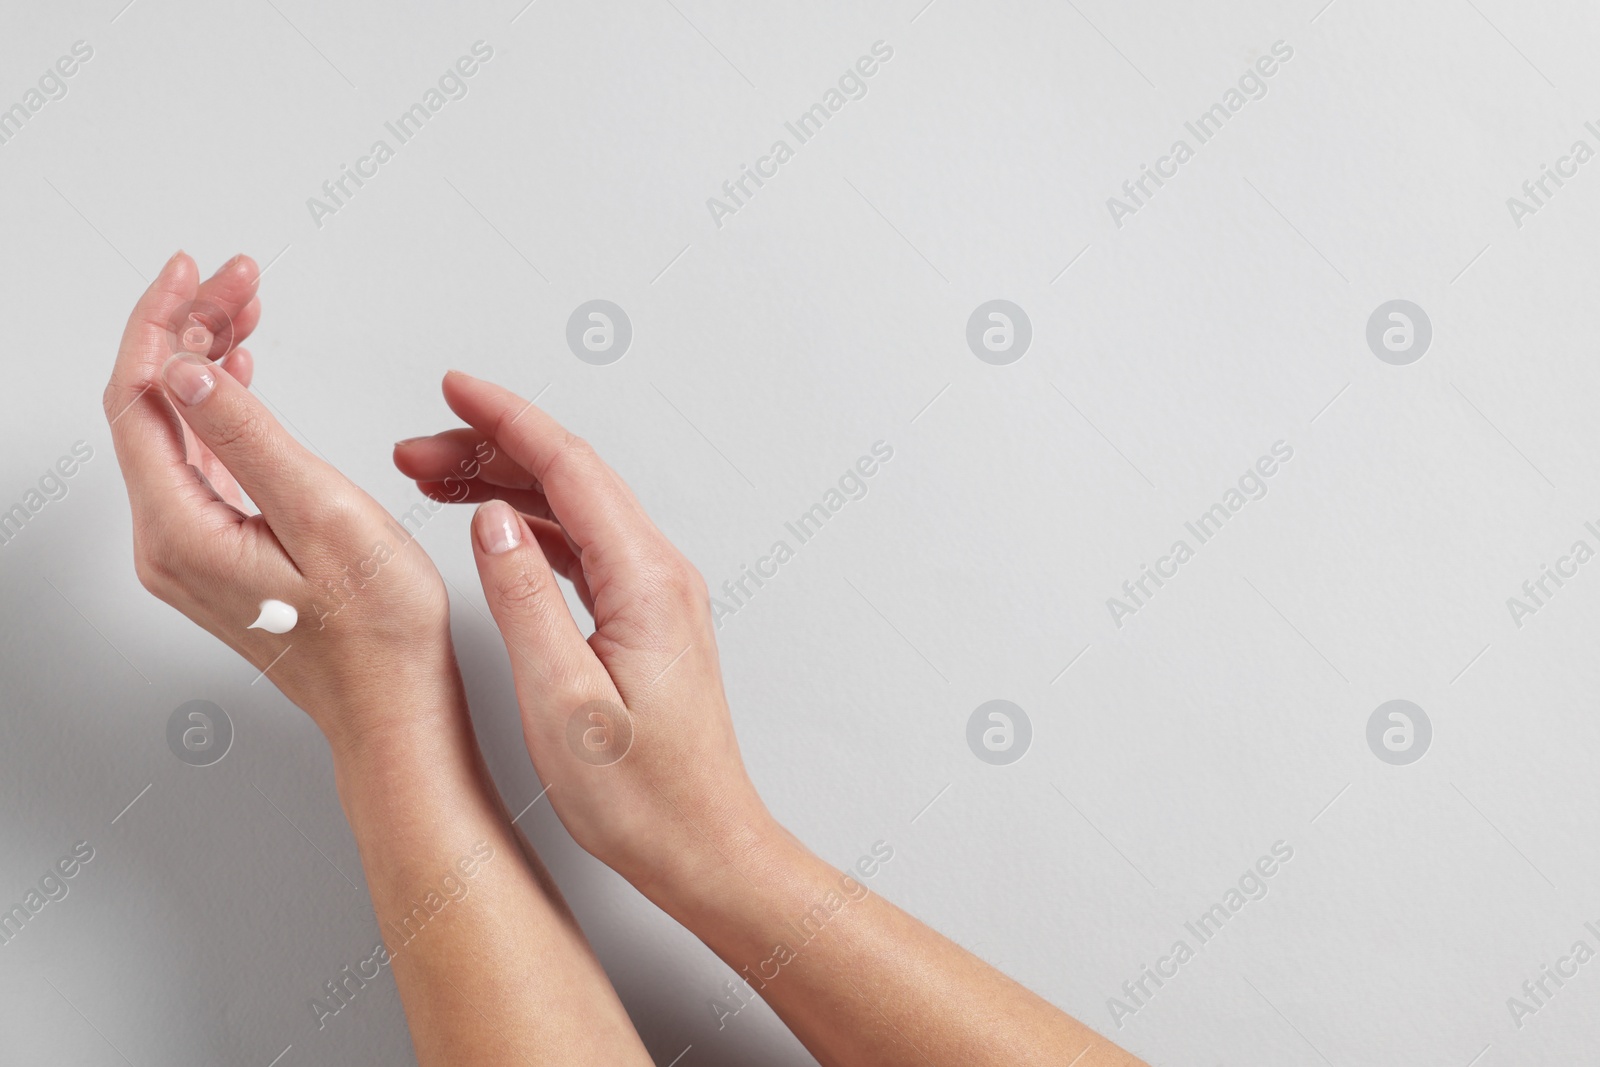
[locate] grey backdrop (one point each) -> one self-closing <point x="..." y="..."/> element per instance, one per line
<point x="1175" y="340"/>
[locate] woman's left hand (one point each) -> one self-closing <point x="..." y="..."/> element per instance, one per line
<point x="189" y="434"/>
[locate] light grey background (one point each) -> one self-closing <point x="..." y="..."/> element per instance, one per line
<point x="1168" y="354"/>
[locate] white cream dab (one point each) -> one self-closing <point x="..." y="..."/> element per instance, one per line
<point x="276" y="617"/>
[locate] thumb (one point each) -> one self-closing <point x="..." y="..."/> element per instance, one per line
<point x="283" y="478"/>
<point x="554" y="668"/>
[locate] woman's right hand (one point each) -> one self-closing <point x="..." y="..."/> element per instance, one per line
<point x="629" y="730"/>
<point x="674" y="811"/>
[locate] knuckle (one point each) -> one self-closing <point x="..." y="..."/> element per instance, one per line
<point x="241" y="428"/>
<point x="525" y="591"/>
<point x="686" y="581"/>
<point x="337" y="510"/>
<point x="698" y="589"/>
<point x="572" y="458"/>
<point x="109" y="399"/>
<point x="672" y="578"/>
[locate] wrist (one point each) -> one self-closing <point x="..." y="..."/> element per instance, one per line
<point x="747" y="868"/>
<point x="392" y="712"/>
<point x="407" y="758"/>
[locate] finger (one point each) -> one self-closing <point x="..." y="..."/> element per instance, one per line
<point x="202" y="475"/>
<point x="202" y="457"/>
<point x="244" y="324"/>
<point x="227" y="304"/>
<point x="459" y="453"/>
<point x="456" y="491"/>
<point x="292" y="487"/>
<point x="552" y="665"/>
<point x="241" y="364"/>
<point x="649" y="603"/>
<point x="557" y="548"/>
<point x="146" y="432"/>
<point x="552" y="537"/>
<point x="585" y="495"/>
<point x="208" y="466"/>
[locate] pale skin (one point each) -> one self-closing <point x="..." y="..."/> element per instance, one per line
<point x="505" y="975"/>
<point x="502" y="976"/>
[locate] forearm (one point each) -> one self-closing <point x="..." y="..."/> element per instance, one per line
<point x="856" y="979"/>
<point x="632" y="726"/>
<point x="490" y="965"/>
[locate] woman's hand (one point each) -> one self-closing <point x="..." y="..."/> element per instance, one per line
<point x="370" y="660"/>
<point x="629" y="730"/>
<point x="658" y="790"/>
<point x="189" y="434"/>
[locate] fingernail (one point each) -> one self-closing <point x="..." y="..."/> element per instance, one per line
<point x="189" y="378"/>
<point x="497" y="527"/>
<point x="173" y="260"/>
<point x="408" y="440"/>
